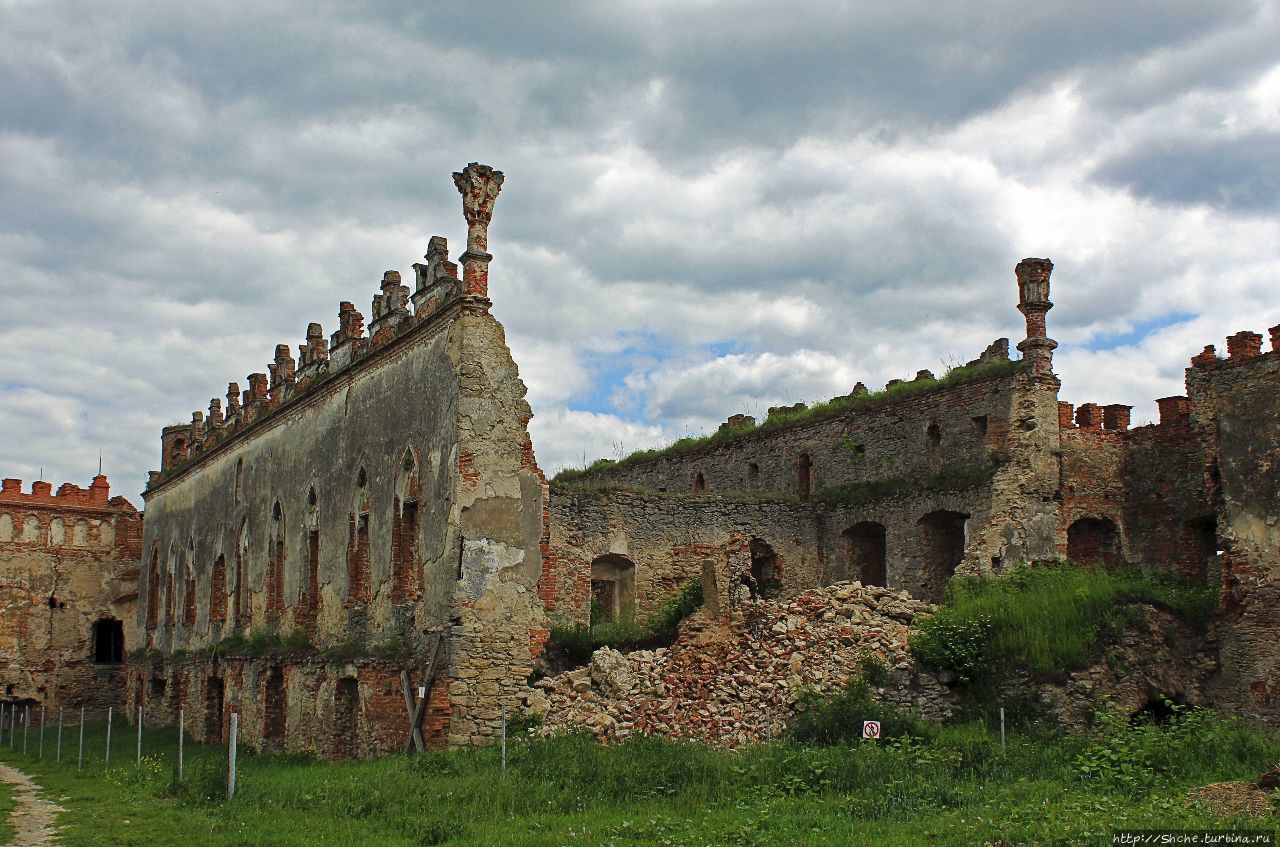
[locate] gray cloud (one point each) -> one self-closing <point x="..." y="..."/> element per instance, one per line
<point x="831" y="191"/>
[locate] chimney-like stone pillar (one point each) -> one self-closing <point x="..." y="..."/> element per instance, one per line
<point x="1033" y="301"/>
<point x="479" y="186"/>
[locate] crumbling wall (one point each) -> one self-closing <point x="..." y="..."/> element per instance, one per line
<point x="376" y="492"/>
<point x="68" y="587"/>
<point x="1235" y="407"/>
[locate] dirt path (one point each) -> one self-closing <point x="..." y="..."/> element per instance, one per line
<point x="32" y="821"/>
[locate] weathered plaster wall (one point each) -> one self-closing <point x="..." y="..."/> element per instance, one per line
<point x="67" y="561"/>
<point x="383" y="492"/>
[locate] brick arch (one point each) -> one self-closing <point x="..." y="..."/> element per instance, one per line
<point x="1095" y="541"/>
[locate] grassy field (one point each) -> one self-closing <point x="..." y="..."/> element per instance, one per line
<point x="956" y="787"/>
<point x="6" y="806"/>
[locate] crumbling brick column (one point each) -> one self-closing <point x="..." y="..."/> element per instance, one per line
<point x="479" y="186"/>
<point x="1033" y="301"/>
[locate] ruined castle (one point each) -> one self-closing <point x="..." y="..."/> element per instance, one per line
<point x="360" y="552"/>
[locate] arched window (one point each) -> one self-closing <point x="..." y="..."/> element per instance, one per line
<point x="239" y="490"/>
<point x="1094" y="541"/>
<point x="359" y="566"/>
<point x="57" y="532"/>
<point x="613" y="588"/>
<point x="406" y="564"/>
<point x="218" y="590"/>
<point x="933" y="445"/>
<point x="153" y="588"/>
<point x="31" y="529"/>
<point x="276" y="563"/>
<point x="80" y="533"/>
<point x="108" y="641"/>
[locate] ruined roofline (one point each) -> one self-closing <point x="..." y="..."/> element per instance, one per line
<point x="1241" y="348"/>
<point x="989" y="367"/>
<point x="395" y="313"/>
<point x="305" y="395"/>
<point x="97" y="497"/>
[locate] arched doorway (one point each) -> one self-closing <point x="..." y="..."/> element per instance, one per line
<point x="613" y="588"/>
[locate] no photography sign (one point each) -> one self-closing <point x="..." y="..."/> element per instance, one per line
<point x="871" y="729"/>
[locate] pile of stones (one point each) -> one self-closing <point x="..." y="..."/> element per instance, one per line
<point x="736" y="681"/>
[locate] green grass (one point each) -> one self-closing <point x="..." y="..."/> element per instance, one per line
<point x="7" y="805"/>
<point x="1045" y="619"/>
<point x="961" y="375"/>
<point x="949" y="478"/>
<point x="955" y="788"/>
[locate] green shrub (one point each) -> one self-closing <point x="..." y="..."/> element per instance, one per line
<point x="827" y="720"/>
<point x="1046" y="619"/>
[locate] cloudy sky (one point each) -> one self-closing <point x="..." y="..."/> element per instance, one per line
<point x="710" y="207"/>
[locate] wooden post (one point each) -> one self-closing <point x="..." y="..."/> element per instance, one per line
<point x="139" y="736"/>
<point x="231" y="755"/>
<point x="3" y="707"/>
<point x="503" y="708"/>
<point x="40" y="755"/>
<point x="180" y="728"/>
<point x="58" y="758"/>
<point x="106" y="762"/>
<point x="80" y="761"/>
<point x="1002" y="729"/>
<point x="416" y="710"/>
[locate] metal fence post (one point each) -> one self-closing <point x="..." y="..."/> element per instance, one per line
<point x="80" y="760"/>
<point x="106" y="762"/>
<point x="58" y="758"/>
<point x="13" y="722"/>
<point x="26" y="725"/>
<point x="231" y="755"/>
<point x="139" y="736"/>
<point x="40" y="755"/>
<point x="2" y="714"/>
<point x="504" y="740"/>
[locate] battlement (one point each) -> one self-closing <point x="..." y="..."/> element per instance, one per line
<point x="96" y="496"/>
<point x="1112" y="418"/>
<point x="394" y="309"/>
<point x="1241" y="347"/>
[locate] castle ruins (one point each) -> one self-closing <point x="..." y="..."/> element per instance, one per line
<point x="363" y="533"/>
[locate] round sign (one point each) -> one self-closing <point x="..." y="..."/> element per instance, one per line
<point x="871" y="729"/>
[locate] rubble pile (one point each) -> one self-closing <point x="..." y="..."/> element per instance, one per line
<point x="736" y="682"/>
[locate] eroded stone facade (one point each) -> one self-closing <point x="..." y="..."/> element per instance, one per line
<point x="68" y="591"/>
<point x="371" y="498"/>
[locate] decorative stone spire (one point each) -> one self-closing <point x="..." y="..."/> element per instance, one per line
<point x="1033" y="302"/>
<point x="479" y="186"/>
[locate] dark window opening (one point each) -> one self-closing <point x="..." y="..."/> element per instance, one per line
<point x="765" y="581"/>
<point x="273" y="711"/>
<point x="980" y="425"/>
<point x="933" y="439"/>
<point x="1158" y="710"/>
<point x="804" y="476"/>
<point x="157" y="690"/>
<point x="346" y="715"/>
<point x="108" y="641"/>
<point x="311" y="496"/>
<point x="1199" y="548"/>
<point x="239" y="480"/>
<point x="1094" y="541"/>
<point x="213" y="698"/>
<point x="699" y="482"/>
<point x="753" y="473"/>
<point x="865" y="552"/>
<point x="942" y="543"/>
<point x="53" y="602"/>
<point x="218" y="590"/>
<point x="361" y="478"/>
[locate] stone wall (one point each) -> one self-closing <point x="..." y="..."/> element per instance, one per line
<point x="378" y="491"/>
<point x="68" y="588"/>
<point x="1235" y="408"/>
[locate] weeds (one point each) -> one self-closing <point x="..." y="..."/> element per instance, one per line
<point x="658" y="629"/>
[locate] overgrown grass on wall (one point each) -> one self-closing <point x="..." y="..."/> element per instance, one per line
<point x="1044" y="619"/>
<point x="961" y="375"/>
<point x="657" y="630"/>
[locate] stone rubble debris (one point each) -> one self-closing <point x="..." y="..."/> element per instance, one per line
<point x="737" y="683"/>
